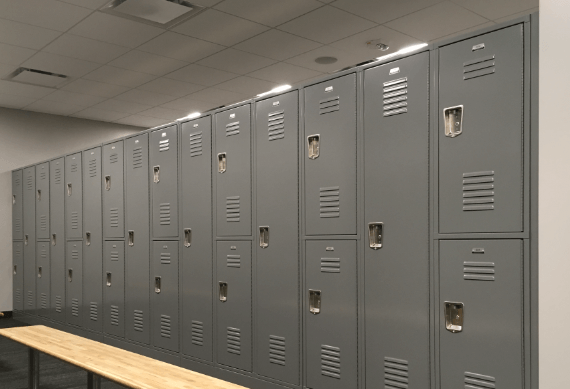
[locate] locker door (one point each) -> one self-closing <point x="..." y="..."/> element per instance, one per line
<point x="196" y="266"/>
<point x="30" y="239"/>
<point x="164" y="279"/>
<point x="481" y="284"/>
<point x="233" y="171"/>
<point x="234" y="304"/>
<point x="93" y="240"/>
<point x="396" y="144"/>
<point x="42" y="201"/>
<point x="73" y="197"/>
<point x="113" y="210"/>
<point x="331" y="317"/>
<point x="330" y="157"/>
<point x="17" y="209"/>
<point x="480" y="155"/>
<point x="164" y="182"/>
<point x="43" y="278"/>
<point x="74" y="281"/>
<point x="57" y="226"/>
<point x="114" y="287"/>
<point x="18" y="274"/>
<point x="277" y="265"/>
<point x="137" y="224"/>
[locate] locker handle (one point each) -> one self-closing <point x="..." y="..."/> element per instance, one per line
<point x="87" y="238"/>
<point x="69" y="189"/>
<point x="39" y="272"/>
<point x="223" y="291"/>
<point x="26" y="238"/>
<point x="13" y="199"/>
<point x="454" y="316"/>
<point x="107" y="182"/>
<point x="15" y="269"/>
<point x="375" y="235"/>
<point x="263" y="236"/>
<point x="314" y="301"/>
<point x="157" y="286"/>
<point x="453" y="119"/>
<point x="187" y="237"/>
<point x="70" y="275"/>
<point x="53" y="239"/>
<point x="314" y="146"/>
<point x="156" y="173"/>
<point x="108" y="278"/>
<point x="131" y="238"/>
<point x="39" y="195"/>
<point x="222" y="162"/>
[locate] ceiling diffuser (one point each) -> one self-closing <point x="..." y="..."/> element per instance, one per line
<point x="161" y="13"/>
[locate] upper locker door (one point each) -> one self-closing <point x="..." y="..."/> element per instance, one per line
<point x="396" y="188"/>
<point x="43" y="267"/>
<point x="17" y="205"/>
<point x="114" y="286"/>
<point x="481" y="134"/>
<point x="113" y="210"/>
<point x="277" y="266"/>
<point x="330" y="157"/>
<point x="73" y="197"/>
<point x="233" y="171"/>
<point x="18" y="273"/>
<point x="42" y="201"/>
<point x="164" y="182"/>
<point x="196" y="266"/>
<point x="30" y="238"/>
<point x="57" y="230"/>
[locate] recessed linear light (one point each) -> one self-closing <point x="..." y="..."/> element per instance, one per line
<point x="405" y="50"/>
<point x="37" y="77"/>
<point x="278" y="89"/>
<point x="160" y="13"/>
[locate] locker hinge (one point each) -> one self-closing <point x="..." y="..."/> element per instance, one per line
<point x="69" y="189"/>
<point x="157" y="286"/>
<point x="70" y="275"/>
<point x="156" y="174"/>
<point x="108" y="278"/>
<point x="453" y="119"/>
<point x="87" y="238"/>
<point x="39" y="272"/>
<point x="264" y="237"/>
<point x="453" y="316"/>
<point x="314" y="301"/>
<point x="313" y="144"/>
<point x="375" y="235"/>
<point x="222" y="162"/>
<point x="187" y="237"/>
<point x="53" y="239"/>
<point x="107" y="182"/>
<point x="223" y="291"/>
<point x="131" y="238"/>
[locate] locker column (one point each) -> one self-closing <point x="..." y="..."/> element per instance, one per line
<point x="57" y="238"/>
<point x="43" y="262"/>
<point x="29" y="216"/>
<point x="18" y="240"/>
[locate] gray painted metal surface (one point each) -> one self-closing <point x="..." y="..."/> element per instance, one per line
<point x="18" y="275"/>
<point x="43" y="269"/>
<point x="74" y="280"/>
<point x="113" y="191"/>
<point x="17" y="205"/>
<point x="42" y="201"/>
<point x="30" y="239"/>
<point x="114" y="288"/>
<point x="73" y="197"/>
<point x="57" y="237"/>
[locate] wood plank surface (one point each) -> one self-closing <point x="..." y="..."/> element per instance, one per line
<point x="129" y="369"/>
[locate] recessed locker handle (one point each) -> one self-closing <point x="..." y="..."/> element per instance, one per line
<point x="107" y="182"/>
<point x="314" y="301"/>
<point x="131" y="237"/>
<point x="69" y="189"/>
<point x="222" y="162"/>
<point x="156" y="173"/>
<point x="264" y="237"/>
<point x="13" y="199"/>
<point x="313" y="142"/>
<point x="453" y="119"/>
<point x="70" y="275"/>
<point x="15" y="269"/>
<point x="454" y="316"/>
<point x="53" y="239"/>
<point x="157" y="284"/>
<point x="39" y="195"/>
<point x="223" y="291"/>
<point x="26" y="238"/>
<point x="375" y="235"/>
<point x="108" y="278"/>
<point x="87" y="238"/>
<point x="187" y="237"/>
<point x="39" y="272"/>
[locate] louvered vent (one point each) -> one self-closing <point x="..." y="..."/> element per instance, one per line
<point x="479" y="67"/>
<point x="276" y="125"/>
<point x="43" y="301"/>
<point x="395" y="373"/>
<point x="197" y="333"/>
<point x="29" y="183"/>
<point x="396" y="96"/>
<point x="114" y="158"/>
<point x="74" y="167"/>
<point x="234" y="261"/>
<point x="92" y="168"/>
<point x="165" y="327"/>
<point x="57" y="176"/>
<point x="196" y="144"/>
<point x="114" y="255"/>
<point x="138" y="320"/>
<point x="75" y="255"/>
<point x="114" y="217"/>
<point x="331" y="104"/>
<point x="18" y="224"/>
<point x="18" y="295"/>
<point x="479" y="381"/>
<point x="74" y="307"/>
<point x="479" y="191"/>
<point x="114" y="315"/>
<point x="74" y="220"/>
<point x="93" y="311"/>
<point x="137" y="158"/>
<point x="232" y="208"/>
<point x="234" y="341"/>
<point x="43" y="175"/>
<point x="330" y="202"/>
<point x="165" y="258"/>
<point x="232" y="128"/>
<point x="43" y="253"/>
<point x="17" y="181"/>
<point x="43" y="222"/>
<point x="330" y="265"/>
<point x="479" y="271"/>
<point x="277" y="350"/>
<point x="30" y="298"/>
<point x="330" y="361"/>
<point x="164" y="145"/>
<point x="58" y="304"/>
<point x="165" y="214"/>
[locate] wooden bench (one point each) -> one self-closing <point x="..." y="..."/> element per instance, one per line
<point x="101" y="360"/>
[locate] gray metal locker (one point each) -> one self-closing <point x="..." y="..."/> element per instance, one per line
<point x="481" y="133"/>
<point x="331" y="316"/>
<point x="18" y="275"/>
<point x="73" y="197"/>
<point x="196" y="266"/>
<point x="57" y="233"/>
<point x="42" y="201"/>
<point x="277" y="265"/>
<point x="17" y="208"/>
<point x="233" y="171"/>
<point x="43" y="268"/>
<point x="29" y="205"/>
<point x="114" y="288"/>
<point x="481" y="333"/>
<point x="233" y="304"/>
<point x="164" y="182"/>
<point x="74" y="281"/>
<point x="396" y="191"/>
<point x="93" y="240"/>
<point x="164" y="278"/>
<point x="137" y="225"/>
<point x="330" y="157"/>
<point x="113" y="209"/>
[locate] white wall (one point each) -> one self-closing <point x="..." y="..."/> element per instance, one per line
<point x="27" y="138"/>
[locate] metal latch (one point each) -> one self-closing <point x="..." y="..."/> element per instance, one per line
<point x="263" y="237"/>
<point x="223" y="291"/>
<point x="26" y="240"/>
<point x="39" y="195"/>
<point x="108" y="278"/>
<point x="69" y="189"/>
<point x="13" y="199"/>
<point x="313" y="143"/>
<point x="157" y="281"/>
<point x="107" y="182"/>
<point x="39" y="272"/>
<point x="15" y="269"/>
<point x="53" y="239"/>
<point x="70" y="275"/>
<point x="314" y="301"/>
<point x="453" y="118"/>
<point x="375" y="235"/>
<point x="131" y="238"/>
<point x="222" y="162"/>
<point x="453" y="316"/>
<point x="187" y="237"/>
<point x="87" y="238"/>
<point x="156" y="173"/>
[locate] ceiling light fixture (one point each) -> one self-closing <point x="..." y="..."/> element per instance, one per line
<point x="160" y="13"/>
<point x="278" y="89"/>
<point x="405" y="50"/>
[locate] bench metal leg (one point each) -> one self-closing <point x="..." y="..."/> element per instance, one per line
<point x="93" y="381"/>
<point x="34" y="369"/>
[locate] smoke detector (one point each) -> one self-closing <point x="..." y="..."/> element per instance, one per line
<point x="160" y="13"/>
<point x="377" y="45"/>
<point x="37" y="77"/>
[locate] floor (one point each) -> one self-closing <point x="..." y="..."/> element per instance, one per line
<point x="54" y="374"/>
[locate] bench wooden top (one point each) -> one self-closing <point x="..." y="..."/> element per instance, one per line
<point x="129" y="369"/>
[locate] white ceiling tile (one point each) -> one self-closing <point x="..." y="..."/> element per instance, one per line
<point x="24" y="35"/>
<point x="6" y="69"/>
<point x="218" y="27"/>
<point x="496" y="9"/>
<point x="181" y="47"/>
<point x="75" y="46"/>
<point x="247" y="86"/>
<point x="277" y="44"/>
<point x="383" y="11"/>
<point x="122" y="106"/>
<point x="168" y="86"/>
<point x="236" y="61"/>
<point x="14" y="101"/>
<point x="145" y="97"/>
<point x="307" y="60"/>
<point x="14" y="55"/>
<point x="95" y="88"/>
<point x="142" y="121"/>
<point x="326" y="25"/>
<point x="54" y="107"/>
<point x="51" y="14"/>
<point x="218" y="96"/>
<point x="516" y="15"/>
<point x="123" y="77"/>
<point x="91" y="4"/>
<point x="201" y="75"/>
<point x="189" y="104"/>
<point x="25" y="90"/>
<point x="140" y="61"/>
<point x="116" y="30"/>
<point x="66" y="97"/>
<point x="435" y="22"/>
<point x="268" y="12"/>
<point x="165" y="113"/>
<point x="284" y="73"/>
<point x="468" y="30"/>
<point x="100" y="114"/>
<point x="61" y="65"/>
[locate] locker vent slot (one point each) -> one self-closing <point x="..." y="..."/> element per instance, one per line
<point x="30" y="298"/>
<point x="395" y="373"/>
<point x="43" y="175"/>
<point x="164" y="145"/>
<point x="232" y="128"/>
<point x="93" y="311"/>
<point x="43" y="301"/>
<point x="114" y="158"/>
<point x="137" y="157"/>
<point x="479" y="381"/>
<point x="114" y="217"/>
<point x="74" y="220"/>
<point x="138" y="320"/>
<point x="29" y="183"/>
<point x="197" y="333"/>
<point x="93" y="168"/>
<point x="277" y="350"/>
<point x="57" y="176"/>
<point x="114" y="255"/>
<point x="232" y="208"/>
<point x="165" y="326"/>
<point x="165" y="214"/>
<point x="114" y="315"/>
<point x="18" y="224"/>
<point x="74" y="167"/>
<point x="17" y="181"/>
<point x="165" y="258"/>
<point x="479" y="191"/>
<point x="330" y="265"/>
<point x="396" y="96"/>
<point x="330" y="361"/>
<point x="328" y="105"/>
<point x="43" y="222"/>
<point x="18" y="295"/>
<point x="234" y="341"/>
<point x="43" y="253"/>
<point x="479" y="67"/>
<point x="234" y="260"/>
<point x="75" y="255"/>
<point x="330" y="202"/>
<point x="479" y="271"/>
<point x="74" y="307"/>
<point x="276" y="125"/>
<point x="58" y="304"/>
<point x="196" y="144"/>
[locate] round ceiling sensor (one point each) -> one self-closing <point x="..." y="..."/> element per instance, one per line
<point x="326" y="60"/>
<point x="377" y="45"/>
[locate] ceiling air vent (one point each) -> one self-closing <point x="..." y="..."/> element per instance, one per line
<point x="37" y="77"/>
<point x="160" y="13"/>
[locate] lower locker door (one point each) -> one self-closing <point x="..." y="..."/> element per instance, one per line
<point x="43" y="278"/>
<point x="481" y="336"/>
<point x="30" y="276"/>
<point x="18" y="275"/>
<point x="58" y="281"/>
<point x="74" y="281"/>
<point x="114" y="288"/>
<point x="331" y="316"/>
<point x="93" y="282"/>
